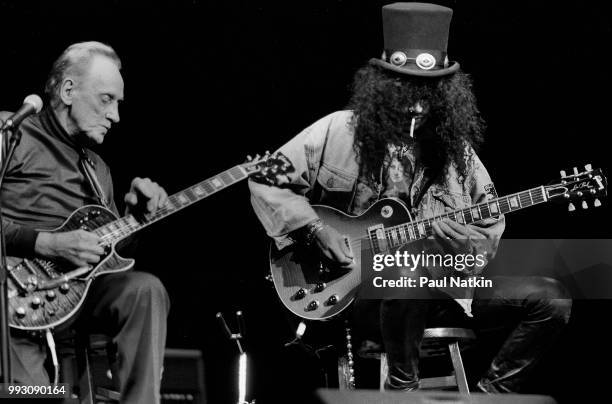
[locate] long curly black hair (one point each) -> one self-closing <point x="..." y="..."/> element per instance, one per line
<point x="380" y="102"/>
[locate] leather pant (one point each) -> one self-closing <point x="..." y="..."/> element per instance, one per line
<point x="534" y="308"/>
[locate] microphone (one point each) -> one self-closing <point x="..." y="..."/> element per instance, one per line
<point x="31" y="104"/>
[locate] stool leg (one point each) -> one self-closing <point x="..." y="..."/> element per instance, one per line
<point x="384" y="370"/>
<point x="86" y="389"/>
<point x="455" y="354"/>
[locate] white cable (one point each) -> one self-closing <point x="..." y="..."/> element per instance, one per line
<point x="51" y="344"/>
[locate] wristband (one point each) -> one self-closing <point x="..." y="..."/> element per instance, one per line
<point x="311" y="230"/>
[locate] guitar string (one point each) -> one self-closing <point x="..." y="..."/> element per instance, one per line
<point x="450" y="215"/>
<point x="126" y="228"/>
<point x="176" y="205"/>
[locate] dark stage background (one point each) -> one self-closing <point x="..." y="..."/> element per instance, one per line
<point x="209" y="82"/>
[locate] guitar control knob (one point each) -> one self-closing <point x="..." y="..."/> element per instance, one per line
<point x="64" y="288"/>
<point x="50" y="295"/>
<point x="36" y="302"/>
<point x="313" y="305"/>
<point x="319" y="287"/>
<point x="585" y="205"/>
<point x="597" y="202"/>
<point x="571" y="207"/>
<point x="20" y="311"/>
<point x="300" y="294"/>
<point x="333" y="299"/>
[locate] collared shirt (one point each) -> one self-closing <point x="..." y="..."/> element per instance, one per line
<point x="45" y="182"/>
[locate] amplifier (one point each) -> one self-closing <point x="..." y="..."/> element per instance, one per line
<point x="182" y="380"/>
<point x="183" y="377"/>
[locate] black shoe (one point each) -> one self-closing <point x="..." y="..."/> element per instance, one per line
<point x="487" y="387"/>
<point x="395" y="384"/>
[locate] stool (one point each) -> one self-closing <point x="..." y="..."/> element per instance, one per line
<point x="436" y="342"/>
<point x="80" y="353"/>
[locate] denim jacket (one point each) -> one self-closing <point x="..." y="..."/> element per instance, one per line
<point x="327" y="172"/>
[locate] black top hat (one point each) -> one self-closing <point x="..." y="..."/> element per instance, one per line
<point x="416" y="35"/>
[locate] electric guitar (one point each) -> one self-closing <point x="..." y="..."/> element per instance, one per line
<point x="45" y="294"/>
<point x="313" y="289"/>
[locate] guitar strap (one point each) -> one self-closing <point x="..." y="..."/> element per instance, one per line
<point x="88" y="167"/>
<point x="429" y="178"/>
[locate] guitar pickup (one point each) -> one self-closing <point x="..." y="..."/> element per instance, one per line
<point x="16" y="280"/>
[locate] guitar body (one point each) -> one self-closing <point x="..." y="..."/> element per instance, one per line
<point x="305" y="283"/>
<point x="45" y="294"/>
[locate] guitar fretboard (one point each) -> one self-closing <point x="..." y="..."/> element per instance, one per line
<point x="395" y="236"/>
<point x="121" y="228"/>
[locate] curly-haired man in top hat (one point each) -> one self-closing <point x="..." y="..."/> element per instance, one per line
<point x="415" y="107"/>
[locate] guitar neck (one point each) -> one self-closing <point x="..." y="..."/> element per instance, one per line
<point x="127" y="225"/>
<point x="421" y="229"/>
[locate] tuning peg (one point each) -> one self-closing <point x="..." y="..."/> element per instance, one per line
<point x="596" y="203"/>
<point x="588" y="167"/>
<point x="249" y="158"/>
<point x="563" y="174"/>
<point x="571" y="207"/>
<point x="585" y="205"/>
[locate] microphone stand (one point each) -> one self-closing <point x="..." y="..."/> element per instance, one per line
<point x="242" y="362"/>
<point x="8" y="143"/>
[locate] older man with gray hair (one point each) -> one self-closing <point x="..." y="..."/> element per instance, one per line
<point x="52" y="173"/>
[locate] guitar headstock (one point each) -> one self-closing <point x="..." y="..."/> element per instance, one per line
<point x="271" y="169"/>
<point x="581" y="186"/>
